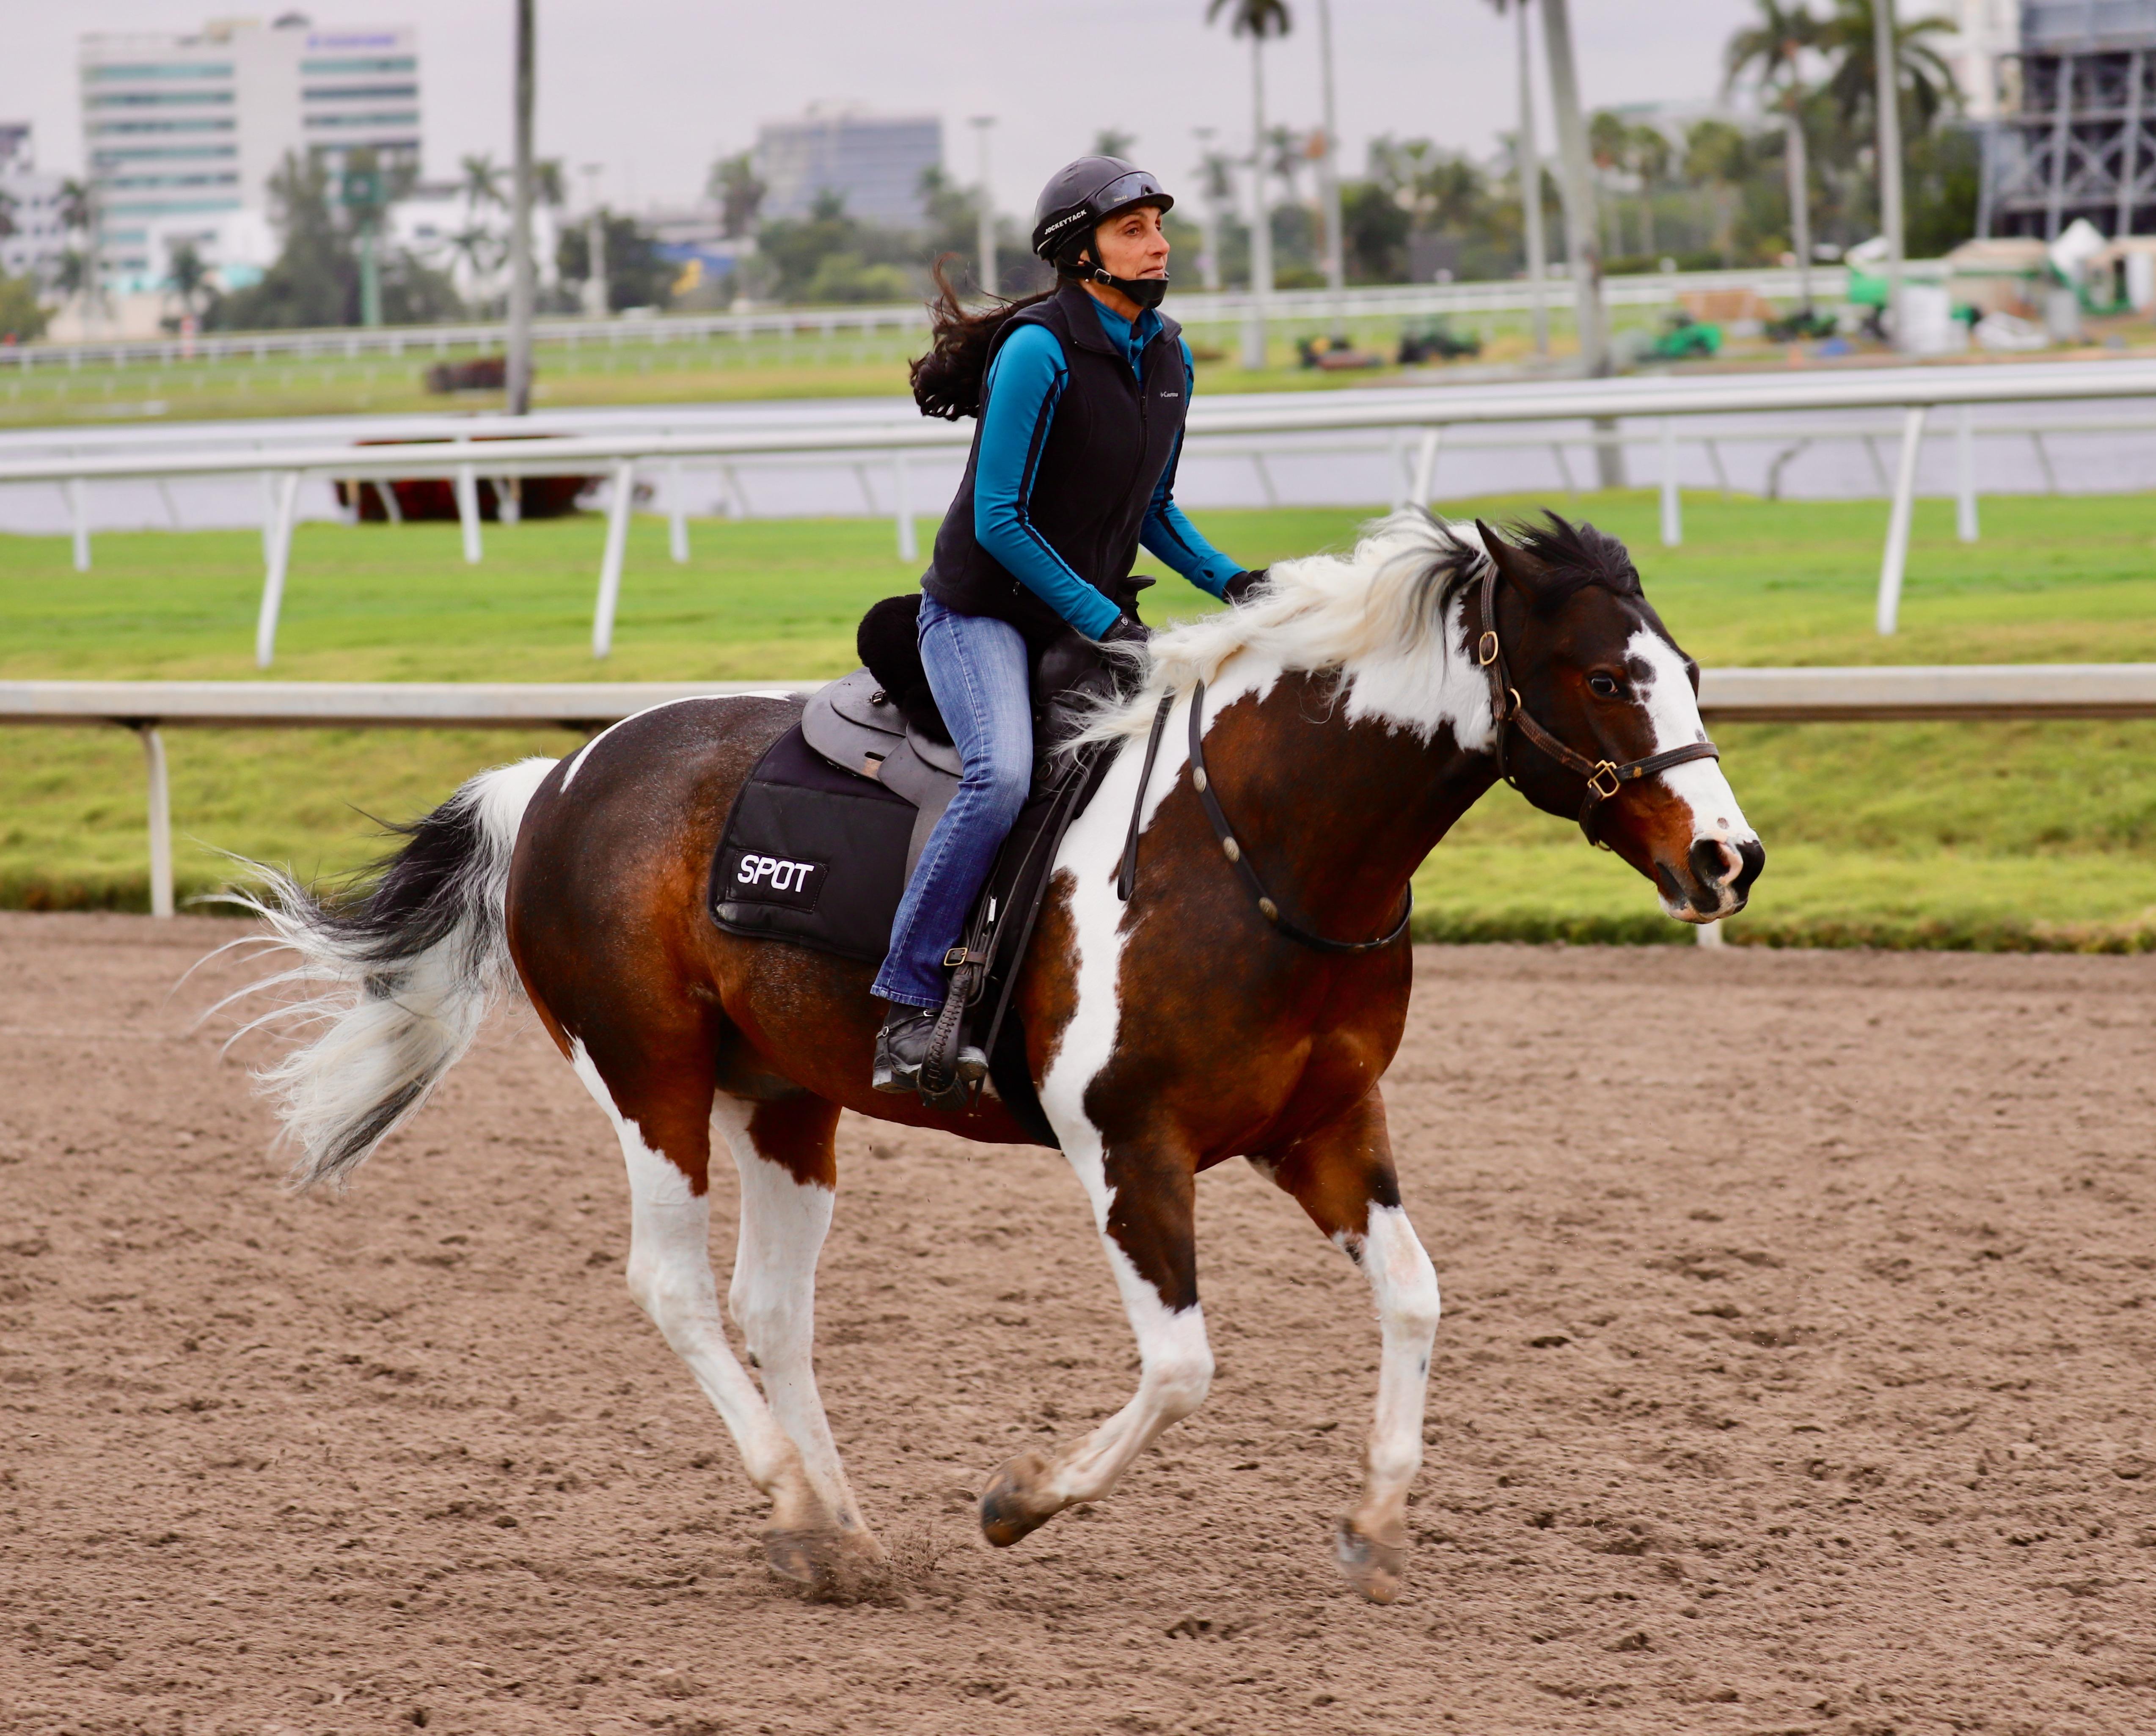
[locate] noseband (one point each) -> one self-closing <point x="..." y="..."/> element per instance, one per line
<point x="1604" y="777"/>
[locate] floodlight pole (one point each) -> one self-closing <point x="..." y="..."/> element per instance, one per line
<point x="520" y="225"/>
<point x="595" y="282"/>
<point x="1529" y="159"/>
<point x="1887" y="101"/>
<point x="987" y="241"/>
<point x="1328" y="168"/>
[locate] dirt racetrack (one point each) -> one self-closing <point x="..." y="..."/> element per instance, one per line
<point x="1796" y="1376"/>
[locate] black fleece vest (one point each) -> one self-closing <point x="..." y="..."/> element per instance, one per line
<point x="1112" y="438"/>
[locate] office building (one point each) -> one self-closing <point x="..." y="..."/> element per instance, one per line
<point x="181" y="130"/>
<point x="37" y="228"/>
<point x="873" y="162"/>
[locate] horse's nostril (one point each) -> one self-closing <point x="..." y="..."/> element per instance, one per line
<point x="1754" y="855"/>
<point x="1714" y="863"/>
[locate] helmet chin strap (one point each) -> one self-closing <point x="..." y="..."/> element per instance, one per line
<point x="1146" y="291"/>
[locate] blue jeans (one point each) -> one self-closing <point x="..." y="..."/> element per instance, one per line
<point x="977" y="668"/>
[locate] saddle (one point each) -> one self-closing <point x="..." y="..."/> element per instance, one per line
<point x="825" y="833"/>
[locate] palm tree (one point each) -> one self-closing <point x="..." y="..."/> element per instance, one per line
<point x="1769" y="54"/>
<point x="1528" y="160"/>
<point x="1216" y="185"/>
<point x="1879" y="63"/>
<point x="482" y="182"/>
<point x="1716" y="156"/>
<point x="185" y="274"/>
<point x="1609" y="140"/>
<point x="1114" y="142"/>
<point x="1256" y="19"/>
<point x="733" y="188"/>
<point x="547" y="185"/>
<point x="1647" y="154"/>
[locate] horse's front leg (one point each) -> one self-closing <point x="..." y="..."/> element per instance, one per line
<point x="1342" y="1174"/>
<point x="1143" y="1192"/>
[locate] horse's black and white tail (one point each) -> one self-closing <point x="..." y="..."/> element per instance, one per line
<point x="399" y="983"/>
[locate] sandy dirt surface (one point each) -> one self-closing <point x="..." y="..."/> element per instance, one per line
<point x="1796" y="1375"/>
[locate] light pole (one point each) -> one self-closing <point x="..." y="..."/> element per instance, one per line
<point x="520" y="226"/>
<point x="1208" y="259"/>
<point x="1328" y="172"/>
<point x="987" y="242"/>
<point x="1887" y="99"/>
<point x="1261" y="229"/>
<point x="1530" y="161"/>
<point x="595" y="283"/>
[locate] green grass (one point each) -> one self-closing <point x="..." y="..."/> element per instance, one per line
<point x="2006" y="834"/>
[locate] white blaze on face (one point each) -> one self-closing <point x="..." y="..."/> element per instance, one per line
<point x="1672" y="712"/>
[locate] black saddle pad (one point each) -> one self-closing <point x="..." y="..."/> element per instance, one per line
<point x="815" y="856"/>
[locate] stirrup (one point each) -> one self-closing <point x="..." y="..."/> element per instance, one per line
<point x="952" y="1069"/>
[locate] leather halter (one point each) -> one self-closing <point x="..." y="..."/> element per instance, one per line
<point x="1230" y="846"/>
<point x="1604" y="777"/>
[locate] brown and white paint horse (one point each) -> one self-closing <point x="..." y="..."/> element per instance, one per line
<point x="1347" y="727"/>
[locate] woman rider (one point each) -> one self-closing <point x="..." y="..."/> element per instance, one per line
<point x="1080" y="392"/>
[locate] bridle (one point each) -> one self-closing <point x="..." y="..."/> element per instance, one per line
<point x="1231" y="847"/>
<point x="1604" y="777"/>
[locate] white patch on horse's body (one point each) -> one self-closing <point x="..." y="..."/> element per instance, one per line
<point x="669" y="1274"/>
<point x="577" y="759"/>
<point x="772" y="1299"/>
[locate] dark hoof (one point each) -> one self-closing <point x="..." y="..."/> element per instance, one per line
<point x="1010" y="1509"/>
<point x="1374" y="1565"/>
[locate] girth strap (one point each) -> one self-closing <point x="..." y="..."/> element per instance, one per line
<point x="1604" y="777"/>
<point x="1235" y="854"/>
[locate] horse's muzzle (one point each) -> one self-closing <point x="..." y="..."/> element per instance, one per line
<point x="1722" y="876"/>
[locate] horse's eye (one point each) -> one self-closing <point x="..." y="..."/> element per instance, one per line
<point x="1603" y="687"/>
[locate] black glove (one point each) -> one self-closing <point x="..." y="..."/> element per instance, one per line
<point x="1238" y="589"/>
<point x="1127" y="629"/>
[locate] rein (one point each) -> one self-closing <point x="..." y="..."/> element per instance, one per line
<point x="1604" y="777"/>
<point x="1229" y="847"/>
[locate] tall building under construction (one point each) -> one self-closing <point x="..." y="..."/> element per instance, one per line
<point x="2075" y="136"/>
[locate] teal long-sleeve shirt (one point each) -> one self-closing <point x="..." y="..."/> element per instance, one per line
<point x="1024" y="382"/>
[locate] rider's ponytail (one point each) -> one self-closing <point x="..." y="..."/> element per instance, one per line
<point x="947" y="381"/>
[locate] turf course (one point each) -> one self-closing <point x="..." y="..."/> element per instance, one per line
<point x="2009" y="835"/>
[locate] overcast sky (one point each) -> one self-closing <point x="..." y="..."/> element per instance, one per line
<point x="655" y="89"/>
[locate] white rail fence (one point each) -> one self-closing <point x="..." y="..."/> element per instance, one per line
<point x="1655" y="407"/>
<point x="1764" y="696"/>
<point x="1192" y="308"/>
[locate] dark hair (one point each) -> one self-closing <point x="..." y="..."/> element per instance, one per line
<point x="947" y="380"/>
<point x="1574" y="557"/>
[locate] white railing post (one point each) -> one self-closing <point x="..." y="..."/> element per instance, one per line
<point x="1965" y="527"/>
<point x="1425" y="466"/>
<point x="1398" y="452"/>
<point x="284" y="506"/>
<point x="78" y="493"/>
<point x="1710" y="934"/>
<point x="1672" y="505"/>
<point x="677" y="515"/>
<point x="901" y="494"/>
<point x="1897" y="557"/>
<point x="617" y="546"/>
<point x="161" y="821"/>
<point x="467" y="487"/>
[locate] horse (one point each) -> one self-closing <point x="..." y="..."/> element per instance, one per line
<point x="1304" y="753"/>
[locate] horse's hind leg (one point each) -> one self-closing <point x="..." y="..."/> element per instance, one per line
<point x="1342" y="1174"/>
<point x="788" y="1174"/>
<point x="661" y="1106"/>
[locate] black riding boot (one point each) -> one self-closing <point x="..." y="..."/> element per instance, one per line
<point x="902" y="1046"/>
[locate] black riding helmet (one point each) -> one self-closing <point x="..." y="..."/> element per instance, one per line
<point x="1078" y="197"/>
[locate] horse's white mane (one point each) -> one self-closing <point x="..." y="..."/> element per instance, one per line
<point x="1378" y="615"/>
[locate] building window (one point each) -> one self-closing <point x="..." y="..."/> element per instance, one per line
<point x="360" y="64"/>
<point x="157" y="99"/>
<point x="402" y="118"/>
<point x="113" y="73"/>
<point x="347" y="93"/>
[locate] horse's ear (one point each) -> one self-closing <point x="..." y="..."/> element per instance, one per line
<point x="1520" y="568"/>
